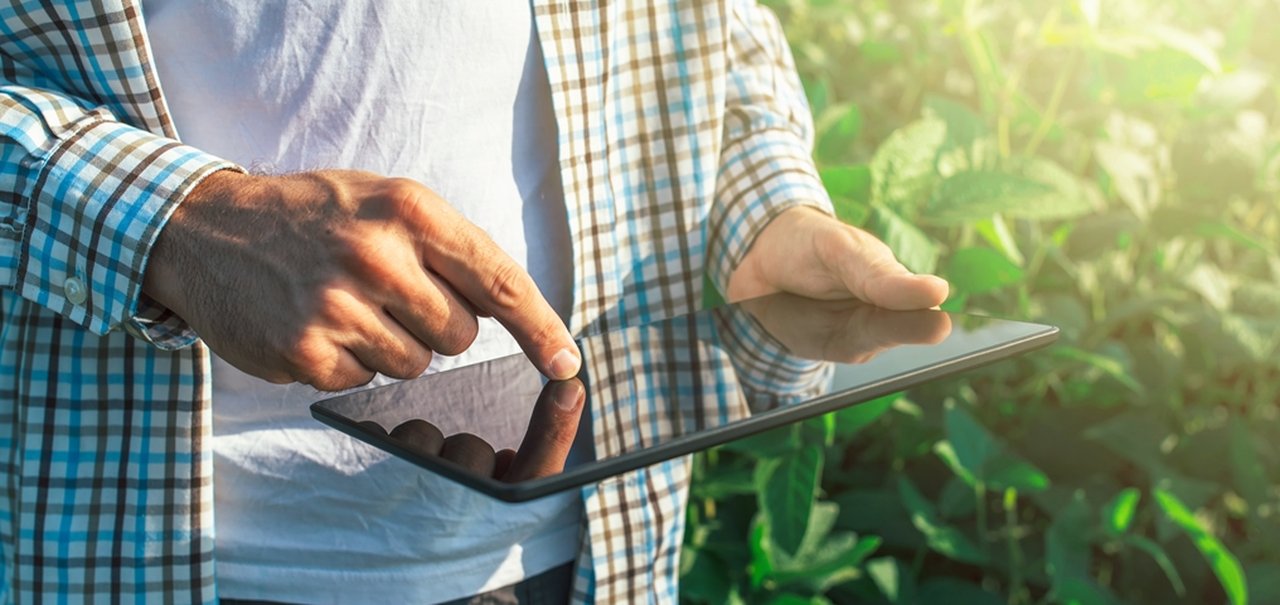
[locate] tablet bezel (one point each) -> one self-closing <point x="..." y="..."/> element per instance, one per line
<point x="596" y="470"/>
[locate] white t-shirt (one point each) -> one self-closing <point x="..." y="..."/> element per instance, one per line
<point x="452" y="94"/>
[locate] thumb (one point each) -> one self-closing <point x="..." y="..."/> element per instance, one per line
<point x="872" y="274"/>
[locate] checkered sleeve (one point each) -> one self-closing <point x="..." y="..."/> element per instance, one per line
<point x="83" y="197"/>
<point x="765" y="163"/>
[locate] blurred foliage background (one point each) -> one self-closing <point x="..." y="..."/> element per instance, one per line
<point x="1110" y="168"/>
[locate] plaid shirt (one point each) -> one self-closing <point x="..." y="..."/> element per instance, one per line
<point x="682" y="131"/>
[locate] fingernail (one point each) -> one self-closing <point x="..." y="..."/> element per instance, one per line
<point x="565" y="364"/>
<point x="569" y="395"/>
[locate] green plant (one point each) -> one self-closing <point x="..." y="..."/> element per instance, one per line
<point x="1112" y="169"/>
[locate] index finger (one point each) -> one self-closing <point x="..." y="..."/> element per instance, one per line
<point x="494" y="284"/>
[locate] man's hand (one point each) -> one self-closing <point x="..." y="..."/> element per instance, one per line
<point x="808" y="253"/>
<point x="327" y="277"/>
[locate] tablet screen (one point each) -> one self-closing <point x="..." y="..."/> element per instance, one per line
<point x="653" y="392"/>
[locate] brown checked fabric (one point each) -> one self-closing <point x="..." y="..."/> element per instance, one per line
<point x="682" y="131"/>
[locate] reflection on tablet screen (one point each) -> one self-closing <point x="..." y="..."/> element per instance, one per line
<point x="657" y="391"/>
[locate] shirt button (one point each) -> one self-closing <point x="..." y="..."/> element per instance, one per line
<point x="75" y="291"/>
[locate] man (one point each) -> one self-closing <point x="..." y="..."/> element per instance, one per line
<point x="679" y="140"/>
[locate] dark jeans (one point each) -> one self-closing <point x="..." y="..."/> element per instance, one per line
<point x="551" y="587"/>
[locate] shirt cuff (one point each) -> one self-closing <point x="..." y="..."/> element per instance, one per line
<point x="762" y="175"/>
<point x="100" y="198"/>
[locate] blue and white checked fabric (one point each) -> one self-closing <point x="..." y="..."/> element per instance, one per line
<point x="683" y="130"/>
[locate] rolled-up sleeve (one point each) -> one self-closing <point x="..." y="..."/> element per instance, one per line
<point x="83" y="198"/>
<point x="765" y="159"/>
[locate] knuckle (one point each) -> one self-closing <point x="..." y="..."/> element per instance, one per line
<point x="841" y="240"/>
<point x="305" y="354"/>
<point x="400" y="187"/>
<point x="338" y="381"/>
<point x="550" y="331"/>
<point x="409" y="197"/>
<point x="407" y="362"/>
<point x="509" y="288"/>
<point x="457" y="335"/>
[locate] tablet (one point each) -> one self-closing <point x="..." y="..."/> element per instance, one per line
<point x="652" y="392"/>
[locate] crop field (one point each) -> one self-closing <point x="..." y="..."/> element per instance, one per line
<point x="1112" y="168"/>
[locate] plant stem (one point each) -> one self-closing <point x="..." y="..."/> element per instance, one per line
<point x="1050" y="114"/>
<point x="1016" y="586"/>
<point x="980" y="492"/>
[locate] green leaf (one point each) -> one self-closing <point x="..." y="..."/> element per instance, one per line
<point x="1211" y="284"/>
<point x="762" y="550"/>
<point x="835" y="560"/>
<point x="1161" y="74"/>
<point x="838" y="127"/>
<point x="912" y="247"/>
<point x="902" y="169"/>
<point x="764" y="471"/>
<point x="848" y="181"/>
<point x="1008" y="471"/>
<point x="996" y="231"/>
<point x="1074" y="197"/>
<point x="1161" y="558"/>
<point x="1224" y="564"/>
<point x="819" y="430"/>
<point x="1233" y="90"/>
<point x="1117" y="515"/>
<point x="972" y="443"/>
<point x="947" y="453"/>
<point x="850" y="190"/>
<point x="818" y="92"/>
<point x="787" y="499"/>
<point x="773" y="443"/>
<point x="981" y="270"/>
<point x="964" y="126"/>
<point x="1132" y="174"/>
<point x="943" y="539"/>
<point x="975" y="195"/>
<point x="1175" y="221"/>
<point x="957" y="302"/>
<point x="879" y="512"/>
<point x="1068" y="555"/>
<point x="1258" y="299"/>
<point x="1232" y="339"/>
<point x="822" y="518"/>
<point x="1108" y="365"/>
<point x="879" y="51"/>
<point x="884" y="572"/>
<point x="1187" y="44"/>
<point x="854" y="418"/>
<point x="706" y="579"/>
<point x="725" y="481"/>
<point x="1136" y="435"/>
<point x="957" y="498"/>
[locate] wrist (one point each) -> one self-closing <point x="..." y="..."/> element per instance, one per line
<point x="171" y="255"/>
